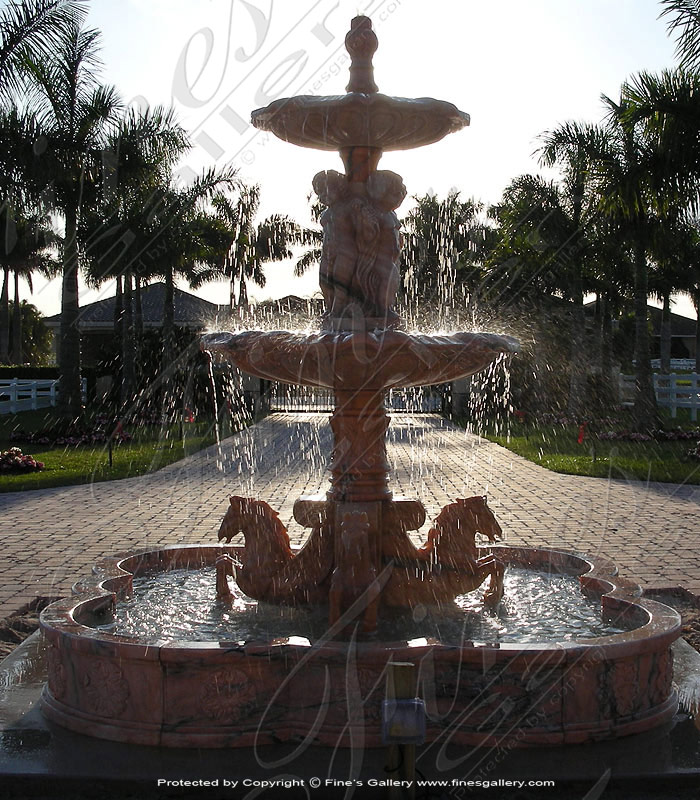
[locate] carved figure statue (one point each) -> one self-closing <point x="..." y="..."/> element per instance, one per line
<point x="269" y="570"/>
<point x="377" y="276"/>
<point x="339" y="252"/>
<point x="447" y="565"/>
<point x="355" y="577"/>
<point x="361" y="243"/>
<point x="452" y="563"/>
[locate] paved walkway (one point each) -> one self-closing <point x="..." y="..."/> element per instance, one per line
<point x="51" y="537"/>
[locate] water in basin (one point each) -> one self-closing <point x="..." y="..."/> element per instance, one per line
<point x="181" y="605"/>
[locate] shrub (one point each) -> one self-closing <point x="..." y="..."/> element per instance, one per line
<point x="13" y="460"/>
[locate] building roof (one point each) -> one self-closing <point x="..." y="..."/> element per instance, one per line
<point x="680" y="325"/>
<point x="190" y="311"/>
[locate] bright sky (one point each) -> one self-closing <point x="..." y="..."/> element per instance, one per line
<point x="518" y="68"/>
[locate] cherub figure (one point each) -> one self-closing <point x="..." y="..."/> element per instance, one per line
<point x="339" y="253"/>
<point x="361" y="243"/>
<point x="377" y="276"/>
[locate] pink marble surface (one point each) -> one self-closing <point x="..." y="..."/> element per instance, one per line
<point x="218" y="694"/>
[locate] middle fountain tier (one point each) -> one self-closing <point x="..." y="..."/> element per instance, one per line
<point x="359" y="556"/>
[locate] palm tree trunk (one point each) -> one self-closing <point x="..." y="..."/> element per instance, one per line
<point x="666" y="334"/>
<point x="127" y="345"/>
<point x="69" y="335"/>
<point x="606" y="355"/>
<point x="242" y="293"/>
<point x="696" y="303"/>
<point x="577" y="380"/>
<point x="5" y="318"/>
<point x="645" y="411"/>
<point x="138" y="328"/>
<point x="17" y="325"/>
<point x="168" y="318"/>
<point x="118" y="318"/>
<point x="597" y="344"/>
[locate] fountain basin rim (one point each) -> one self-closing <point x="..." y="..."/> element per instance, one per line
<point x="222" y="694"/>
<point x="111" y="580"/>
<point x="354" y="360"/>
<point x="357" y="119"/>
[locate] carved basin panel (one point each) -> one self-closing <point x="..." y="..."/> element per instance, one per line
<point x="230" y="694"/>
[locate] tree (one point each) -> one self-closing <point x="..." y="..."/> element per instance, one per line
<point x="684" y="20"/>
<point x="572" y="147"/>
<point x="138" y="160"/>
<point x="529" y="261"/>
<point x="27" y="246"/>
<point x="667" y="106"/>
<point x="631" y="167"/>
<point x="442" y="247"/>
<point x="184" y="238"/>
<point x="73" y="111"/>
<point x="251" y="244"/>
<point x="31" y="26"/>
<point x="36" y="337"/>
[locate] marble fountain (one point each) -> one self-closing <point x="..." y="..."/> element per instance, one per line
<point x="359" y="566"/>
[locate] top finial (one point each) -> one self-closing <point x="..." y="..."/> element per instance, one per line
<point x="361" y="43"/>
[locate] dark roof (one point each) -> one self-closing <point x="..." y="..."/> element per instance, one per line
<point x="190" y="311"/>
<point x="680" y="325"/>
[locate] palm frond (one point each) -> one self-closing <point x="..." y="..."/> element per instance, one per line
<point x="683" y="20"/>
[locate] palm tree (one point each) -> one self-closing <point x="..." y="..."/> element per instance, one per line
<point x="684" y="20"/>
<point x="652" y="177"/>
<point x="28" y="246"/>
<point x="313" y="238"/>
<point x="35" y="26"/>
<point x="139" y="158"/>
<point x="668" y="107"/>
<point x="530" y="259"/>
<point x="572" y="147"/>
<point x="73" y="111"/>
<point x="182" y="236"/>
<point x="630" y="168"/>
<point x="251" y="244"/>
<point x="442" y="247"/>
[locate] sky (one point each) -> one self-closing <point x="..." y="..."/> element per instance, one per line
<point x="518" y="67"/>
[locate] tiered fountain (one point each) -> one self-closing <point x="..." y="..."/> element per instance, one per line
<point x="359" y="562"/>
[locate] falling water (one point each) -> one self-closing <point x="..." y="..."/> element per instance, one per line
<point x="217" y="432"/>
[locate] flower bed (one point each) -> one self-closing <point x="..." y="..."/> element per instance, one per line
<point x="13" y="460"/>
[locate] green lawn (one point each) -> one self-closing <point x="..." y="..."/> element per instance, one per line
<point x="556" y="448"/>
<point x="151" y="448"/>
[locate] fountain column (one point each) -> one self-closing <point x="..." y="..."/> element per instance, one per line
<point x="360" y="468"/>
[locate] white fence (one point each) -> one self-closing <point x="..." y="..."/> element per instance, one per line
<point x="672" y="391"/>
<point x="18" y="394"/>
<point x="676" y="363"/>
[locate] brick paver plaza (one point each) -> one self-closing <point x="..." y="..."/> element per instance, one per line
<point x="52" y="537"/>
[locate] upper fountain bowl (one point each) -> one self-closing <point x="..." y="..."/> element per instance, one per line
<point x="358" y="119"/>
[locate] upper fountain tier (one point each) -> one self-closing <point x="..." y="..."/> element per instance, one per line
<point x="362" y="117"/>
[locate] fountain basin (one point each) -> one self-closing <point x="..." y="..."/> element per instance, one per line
<point x="371" y="360"/>
<point x="239" y="694"/>
<point x="360" y="119"/>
